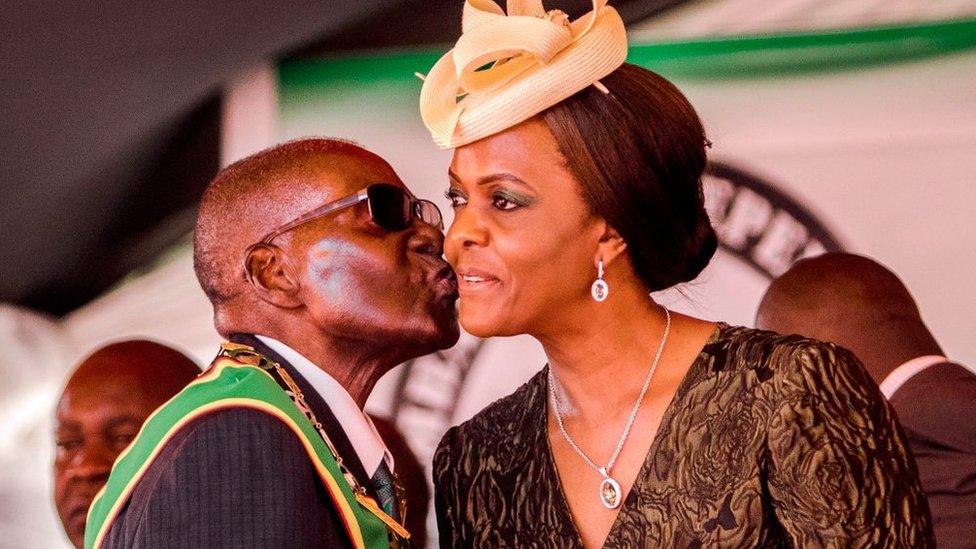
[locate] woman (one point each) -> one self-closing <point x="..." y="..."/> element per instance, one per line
<point x="647" y="427"/>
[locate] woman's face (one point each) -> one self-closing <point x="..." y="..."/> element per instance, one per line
<point x="523" y="242"/>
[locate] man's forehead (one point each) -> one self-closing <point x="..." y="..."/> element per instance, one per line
<point x="340" y="174"/>
<point x="84" y="407"/>
<point x="327" y="177"/>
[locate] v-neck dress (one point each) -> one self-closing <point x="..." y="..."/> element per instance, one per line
<point x="769" y="441"/>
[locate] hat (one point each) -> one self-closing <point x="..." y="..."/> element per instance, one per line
<point x="507" y="68"/>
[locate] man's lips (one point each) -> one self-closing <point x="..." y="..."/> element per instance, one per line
<point x="78" y="510"/>
<point x="445" y="282"/>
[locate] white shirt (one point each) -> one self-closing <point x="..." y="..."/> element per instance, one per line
<point x="893" y="381"/>
<point x="359" y="429"/>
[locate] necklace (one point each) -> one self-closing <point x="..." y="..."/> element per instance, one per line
<point x="610" y="492"/>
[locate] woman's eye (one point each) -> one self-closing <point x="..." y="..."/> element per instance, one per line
<point x="503" y="203"/>
<point x="457" y="198"/>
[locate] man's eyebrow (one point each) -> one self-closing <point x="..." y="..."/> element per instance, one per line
<point x="121" y="421"/>
<point x="67" y="425"/>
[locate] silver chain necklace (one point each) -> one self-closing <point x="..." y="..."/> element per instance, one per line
<point x="610" y="492"/>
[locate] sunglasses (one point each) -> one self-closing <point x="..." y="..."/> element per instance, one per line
<point x="390" y="207"/>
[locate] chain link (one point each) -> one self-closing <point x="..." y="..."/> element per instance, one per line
<point x="605" y="471"/>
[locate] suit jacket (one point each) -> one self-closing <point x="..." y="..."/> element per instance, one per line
<point x="937" y="408"/>
<point x="238" y="478"/>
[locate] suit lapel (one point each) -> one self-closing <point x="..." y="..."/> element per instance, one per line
<point x="319" y="407"/>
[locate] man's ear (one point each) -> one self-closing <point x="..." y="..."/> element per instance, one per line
<point x="271" y="277"/>
<point x="610" y="246"/>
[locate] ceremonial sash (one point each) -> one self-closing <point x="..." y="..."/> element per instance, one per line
<point x="229" y="383"/>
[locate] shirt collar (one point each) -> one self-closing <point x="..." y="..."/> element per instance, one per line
<point x="359" y="428"/>
<point x="893" y="381"/>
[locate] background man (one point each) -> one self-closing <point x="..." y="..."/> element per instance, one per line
<point x="859" y="304"/>
<point x="317" y="258"/>
<point x="104" y="403"/>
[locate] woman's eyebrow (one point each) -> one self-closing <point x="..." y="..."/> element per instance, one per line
<point x="503" y="176"/>
<point x="491" y="178"/>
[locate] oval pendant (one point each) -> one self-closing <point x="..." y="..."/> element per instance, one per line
<point x="599" y="290"/>
<point x="610" y="493"/>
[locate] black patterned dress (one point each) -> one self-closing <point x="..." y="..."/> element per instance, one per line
<point x="770" y="441"/>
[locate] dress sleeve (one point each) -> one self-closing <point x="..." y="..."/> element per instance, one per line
<point x="839" y="472"/>
<point x="447" y="499"/>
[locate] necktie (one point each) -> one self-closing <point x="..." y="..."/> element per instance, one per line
<point x="386" y="491"/>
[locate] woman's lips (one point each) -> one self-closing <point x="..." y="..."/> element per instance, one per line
<point x="472" y="280"/>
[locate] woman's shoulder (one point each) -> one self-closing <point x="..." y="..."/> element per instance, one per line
<point x="790" y="359"/>
<point x="508" y="420"/>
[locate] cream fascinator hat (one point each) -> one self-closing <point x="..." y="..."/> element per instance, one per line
<point x="507" y="68"/>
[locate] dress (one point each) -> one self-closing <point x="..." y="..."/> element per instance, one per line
<point x="769" y="441"/>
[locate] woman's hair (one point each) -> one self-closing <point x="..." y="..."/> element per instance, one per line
<point x="638" y="153"/>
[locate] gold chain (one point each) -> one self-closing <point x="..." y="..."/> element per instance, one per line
<point x="238" y="351"/>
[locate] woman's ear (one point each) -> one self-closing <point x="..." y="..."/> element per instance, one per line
<point x="610" y="246"/>
<point x="270" y="276"/>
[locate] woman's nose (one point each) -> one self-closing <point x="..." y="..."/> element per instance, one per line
<point x="468" y="230"/>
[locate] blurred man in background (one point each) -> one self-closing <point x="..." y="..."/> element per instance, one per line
<point x="104" y="403"/>
<point x="858" y="304"/>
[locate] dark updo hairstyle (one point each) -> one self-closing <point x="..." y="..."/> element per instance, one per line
<point x="639" y="153"/>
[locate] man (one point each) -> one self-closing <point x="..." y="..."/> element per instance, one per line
<point x="104" y="403"/>
<point x="413" y="477"/>
<point x="859" y="304"/>
<point x="325" y="273"/>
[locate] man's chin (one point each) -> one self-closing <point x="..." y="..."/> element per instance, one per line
<point x="449" y="336"/>
<point x="75" y="530"/>
<point x="448" y="328"/>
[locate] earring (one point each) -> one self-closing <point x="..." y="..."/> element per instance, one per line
<point x="599" y="290"/>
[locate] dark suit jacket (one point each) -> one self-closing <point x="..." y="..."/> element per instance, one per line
<point x="937" y="408"/>
<point x="238" y="478"/>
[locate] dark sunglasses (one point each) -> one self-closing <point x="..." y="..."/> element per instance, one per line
<point x="390" y="207"/>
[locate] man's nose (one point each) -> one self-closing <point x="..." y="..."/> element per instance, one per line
<point x="93" y="462"/>
<point x="426" y="239"/>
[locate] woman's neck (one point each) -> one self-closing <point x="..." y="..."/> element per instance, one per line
<point x="600" y="353"/>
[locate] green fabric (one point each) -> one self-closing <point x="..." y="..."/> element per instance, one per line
<point x="713" y="58"/>
<point x="237" y="381"/>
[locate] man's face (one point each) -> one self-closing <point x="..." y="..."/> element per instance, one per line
<point x="362" y="282"/>
<point x="97" y="417"/>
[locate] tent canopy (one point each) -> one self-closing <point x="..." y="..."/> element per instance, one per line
<point x="111" y="118"/>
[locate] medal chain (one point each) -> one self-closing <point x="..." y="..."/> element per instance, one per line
<point x="296" y="396"/>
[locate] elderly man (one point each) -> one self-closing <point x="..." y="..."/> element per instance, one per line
<point x="104" y="403"/>
<point x="324" y="272"/>
<point x="857" y="303"/>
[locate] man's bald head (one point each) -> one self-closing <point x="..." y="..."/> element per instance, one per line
<point x="147" y="367"/>
<point x="852" y="301"/>
<point x="340" y="288"/>
<point x="102" y="408"/>
<point x="257" y="194"/>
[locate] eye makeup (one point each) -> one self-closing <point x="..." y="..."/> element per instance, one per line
<point x="510" y="197"/>
<point x="456" y="196"/>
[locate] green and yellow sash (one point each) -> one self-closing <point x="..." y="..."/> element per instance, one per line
<point x="232" y="382"/>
